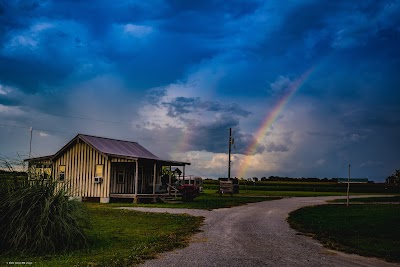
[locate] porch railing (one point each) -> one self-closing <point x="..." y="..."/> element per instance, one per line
<point x="172" y="188"/>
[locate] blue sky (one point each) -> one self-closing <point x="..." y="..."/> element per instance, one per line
<point x="176" y="75"/>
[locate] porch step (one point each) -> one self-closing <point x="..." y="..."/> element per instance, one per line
<point x="169" y="199"/>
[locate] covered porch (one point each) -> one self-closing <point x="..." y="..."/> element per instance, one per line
<point x="143" y="179"/>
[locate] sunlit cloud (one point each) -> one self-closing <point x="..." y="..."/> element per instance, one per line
<point x="137" y="30"/>
<point x="43" y="134"/>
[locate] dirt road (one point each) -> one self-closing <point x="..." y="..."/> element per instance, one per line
<point x="256" y="234"/>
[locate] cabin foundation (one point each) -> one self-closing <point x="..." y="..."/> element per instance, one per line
<point x="104" y="200"/>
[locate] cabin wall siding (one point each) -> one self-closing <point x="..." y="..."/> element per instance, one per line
<point x="80" y="162"/>
<point x="85" y="177"/>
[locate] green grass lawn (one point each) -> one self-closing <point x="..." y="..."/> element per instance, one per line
<point x="369" y="230"/>
<point x="371" y="199"/>
<point x="208" y="200"/>
<point x="122" y="238"/>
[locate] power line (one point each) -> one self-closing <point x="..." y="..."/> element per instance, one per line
<point x="75" y="117"/>
<point x="75" y="133"/>
<point x="25" y="127"/>
<point x="88" y="119"/>
<point x="14" y="126"/>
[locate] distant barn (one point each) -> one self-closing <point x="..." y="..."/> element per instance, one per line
<point x="102" y="168"/>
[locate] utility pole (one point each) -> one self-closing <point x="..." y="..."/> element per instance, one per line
<point x="30" y="142"/>
<point x="30" y="153"/>
<point x="348" y="187"/>
<point x="229" y="157"/>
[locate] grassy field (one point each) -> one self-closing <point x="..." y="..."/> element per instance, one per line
<point x="267" y="193"/>
<point x="208" y="200"/>
<point x="369" y="230"/>
<point x="306" y="186"/>
<point x="288" y="193"/>
<point x="387" y="199"/>
<point x="122" y="238"/>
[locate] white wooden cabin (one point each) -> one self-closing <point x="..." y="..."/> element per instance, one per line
<point x="98" y="168"/>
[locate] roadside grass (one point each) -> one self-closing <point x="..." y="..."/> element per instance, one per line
<point x="208" y="200"/>
<point x="368" y="230"/>
<point x="387" y="199"/>
<point x="121" y="238"/>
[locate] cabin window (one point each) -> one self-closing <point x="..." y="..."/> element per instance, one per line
<point x="62" y="173"/>
<point x="46" y="171"/>
<point x="120" y="175"/>
<point x="99" y="170"/>
<point x="38" y="171"/>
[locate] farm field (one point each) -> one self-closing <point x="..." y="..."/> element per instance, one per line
<point x="306" y="186"/>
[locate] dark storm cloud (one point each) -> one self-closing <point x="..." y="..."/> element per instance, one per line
<point x="213" y="136"/>
<point x="272" y="147"/>
<point x="337" y="33"/>
<point x="184" y="105"/>
<point x="66" y="56"/>
<point x="207" y="123"/>
<point x="382" y="117"/>
<point x="38" y="52"/>
<point x="184" y="33"/>
<point x="74" y="40"/>
<point x="207" y="19"/>
<point x="7" y="101"/>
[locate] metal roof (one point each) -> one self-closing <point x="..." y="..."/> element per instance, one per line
<point x="115" y="147"/>
<point x="49" y="157"/>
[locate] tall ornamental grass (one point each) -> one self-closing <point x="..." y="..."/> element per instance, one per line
<point x="36" y="217"/>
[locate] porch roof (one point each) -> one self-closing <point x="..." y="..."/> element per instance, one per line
<point x="43" y="158"/>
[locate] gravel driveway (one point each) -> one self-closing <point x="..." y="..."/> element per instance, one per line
<point x="256" y="234"/>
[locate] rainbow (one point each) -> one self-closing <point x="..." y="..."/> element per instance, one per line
<point x="270" y="118"/>
<point x="184" y="140"/>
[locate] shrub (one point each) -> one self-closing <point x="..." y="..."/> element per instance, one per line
<point x="36" y="217"/>
<point x="189" y="192"/>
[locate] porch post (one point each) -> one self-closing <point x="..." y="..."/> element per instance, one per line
<point x="183" y="178"/>
<point x="135" y="199"/>
<point x="154" y="177"/>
